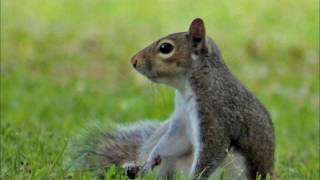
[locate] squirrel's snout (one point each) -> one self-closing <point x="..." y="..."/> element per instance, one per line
<point x="134" y="60"/>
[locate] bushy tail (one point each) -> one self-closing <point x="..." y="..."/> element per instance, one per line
<point x="100" y="148"/>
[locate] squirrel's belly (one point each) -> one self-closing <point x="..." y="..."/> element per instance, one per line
<point x="188" y="109"/>
<point x="185" y="163"/>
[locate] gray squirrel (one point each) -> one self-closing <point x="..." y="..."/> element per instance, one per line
<point x="213" y="114"/>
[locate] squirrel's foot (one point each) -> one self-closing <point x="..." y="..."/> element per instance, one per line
<point x="149" y="165"/>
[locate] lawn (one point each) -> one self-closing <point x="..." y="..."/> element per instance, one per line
<point x="65" y="66"/>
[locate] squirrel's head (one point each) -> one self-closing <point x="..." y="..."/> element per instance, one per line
<point x="170" y="58"/>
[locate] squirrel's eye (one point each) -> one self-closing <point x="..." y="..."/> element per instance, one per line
<point x="166" y="48"/>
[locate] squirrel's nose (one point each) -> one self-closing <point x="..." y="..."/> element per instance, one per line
<point x="134" y="61"/>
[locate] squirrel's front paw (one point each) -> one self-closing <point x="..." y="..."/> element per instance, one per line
<point x="149" y="165"/>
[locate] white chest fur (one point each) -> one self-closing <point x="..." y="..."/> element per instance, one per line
<point x="187" y="112"/>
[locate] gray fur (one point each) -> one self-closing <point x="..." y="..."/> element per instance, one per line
<point x="99" y="148"/>
<point x="215" y="109"/>
<point x="231" y="116"/>
<point x="221" y="112"/>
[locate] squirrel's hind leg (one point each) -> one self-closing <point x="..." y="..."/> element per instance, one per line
<point x="259" y="157"/>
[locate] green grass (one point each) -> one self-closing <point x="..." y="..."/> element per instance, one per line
<point x="65" y="65"/>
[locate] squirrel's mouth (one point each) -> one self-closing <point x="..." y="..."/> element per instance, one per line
<point x="149" y="74"/>
<point x="151" y="77"/>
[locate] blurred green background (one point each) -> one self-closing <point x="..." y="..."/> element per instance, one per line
<point x="65" y="65"/>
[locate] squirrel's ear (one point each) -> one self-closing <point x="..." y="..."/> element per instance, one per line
<point x="197" y="34"/>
